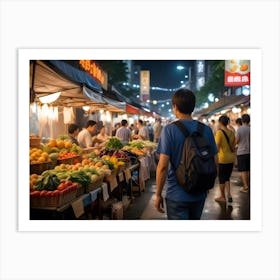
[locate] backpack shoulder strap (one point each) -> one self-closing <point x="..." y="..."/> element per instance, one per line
<point x="200" y="128"/>
<point x="182" y="128"/>
<point x="227" y="139"/>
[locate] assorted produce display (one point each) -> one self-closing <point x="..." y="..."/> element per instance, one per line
<point x="72" y="172"/>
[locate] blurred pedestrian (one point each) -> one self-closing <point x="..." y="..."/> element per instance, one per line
<point x="116" y="127"/>
<point x="101" y="138"/>
<point x="243" y="151"/>
<point x="124" y="133"/>
<point x="213" y="126"/>
<point x="225" y="141"/>
<point x="157" y="130"/>
<point x="143" y="133"/>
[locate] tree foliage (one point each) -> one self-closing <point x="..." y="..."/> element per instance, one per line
<point x="116" y="69"/>
<point x="214" y="84"/>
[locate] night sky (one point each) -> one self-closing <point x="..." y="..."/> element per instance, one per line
<point x="163" y="73"/>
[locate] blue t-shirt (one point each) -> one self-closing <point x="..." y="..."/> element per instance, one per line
<point x="171" y="144"/>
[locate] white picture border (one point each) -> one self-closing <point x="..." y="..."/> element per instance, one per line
<point x="24" y="222"/>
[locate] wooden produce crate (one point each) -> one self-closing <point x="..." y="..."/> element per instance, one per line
<point x="66" y="197"/>
<point x="80" y="190"/>
<point x="71" y="160"/>
<point x="94" y="185"/>
<point x="39" y="168"/>
<point x="35" y="142"/>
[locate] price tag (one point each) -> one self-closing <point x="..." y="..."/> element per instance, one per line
<point x="78" y="207"/>
<point x="113" y="182"/>
<point x="127" y="175"/>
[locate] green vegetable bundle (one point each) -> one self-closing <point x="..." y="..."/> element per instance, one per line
<point x="48" y="182"/>
<point x="113" y="143"/>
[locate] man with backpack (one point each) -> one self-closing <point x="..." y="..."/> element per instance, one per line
<point x="191" y="160"/>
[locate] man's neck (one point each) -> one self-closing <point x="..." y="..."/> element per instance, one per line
<point x="184" y="117"/>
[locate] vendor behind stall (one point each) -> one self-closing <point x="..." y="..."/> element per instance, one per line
<point x="73" y="131"/>
<point x="101" y="138"/>
<point x="85" y="136"/>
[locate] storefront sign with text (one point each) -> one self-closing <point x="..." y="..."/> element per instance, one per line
<point x="237" y="72"/>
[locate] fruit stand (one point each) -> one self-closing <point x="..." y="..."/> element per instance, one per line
<point x="64" y="178"/>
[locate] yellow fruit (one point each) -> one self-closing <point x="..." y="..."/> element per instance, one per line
<point x="60" y="144"/>
<point x="41" y="159"/>
<point x="68" y="145"/>
<point x="52" y="143"/>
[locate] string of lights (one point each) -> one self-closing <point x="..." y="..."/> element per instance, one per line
<point x="153" y="87"/>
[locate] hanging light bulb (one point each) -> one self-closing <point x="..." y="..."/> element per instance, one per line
<point x="86" y="108"/>
<point x="50" y="98"/>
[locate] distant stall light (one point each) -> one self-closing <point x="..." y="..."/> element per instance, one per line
<point x="108" y="116"/>
<point x="246" y="90"/>
<point x="204" y="121"/>
<point x="155" y="102"/>
<point x="249" y="111"/>
<point x="162" y="105"/>
<point x="216" y="99"/>
<point x="167" y="103"/>
<point x="137" y="95"/>
<point x="169" y="110"/>
<point x="206" y="105"/>
<point x="211" y="97"/>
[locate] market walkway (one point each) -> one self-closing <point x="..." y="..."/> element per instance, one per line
<point x="142" y="207"/>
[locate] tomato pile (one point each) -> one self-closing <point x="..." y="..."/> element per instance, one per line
<point x="66" y="154"/>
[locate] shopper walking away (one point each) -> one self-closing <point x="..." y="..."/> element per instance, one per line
<point x="180" y="205"/>
<point x="243" y="151"/>
<point x="85" y="136"/>
<point x="225" y="141"/>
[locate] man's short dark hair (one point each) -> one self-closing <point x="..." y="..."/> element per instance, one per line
<point x="238" y="121"/>
<point x="72" y="128"/>
<point x="184" y="100"/>
<point x="245" y="118"/>
<point x="140" y="121"/>
<point x="90" y="123"/>
<point x="124" y="122"/>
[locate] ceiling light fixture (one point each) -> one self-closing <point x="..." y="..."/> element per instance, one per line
<point x="49" y="98"/>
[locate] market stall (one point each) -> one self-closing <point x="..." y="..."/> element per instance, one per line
<point x="63" y="177"/>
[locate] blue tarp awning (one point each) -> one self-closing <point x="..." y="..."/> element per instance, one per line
<point x="75" y="74"/>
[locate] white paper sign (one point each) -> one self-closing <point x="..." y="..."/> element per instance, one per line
<point x="78" y="207"/>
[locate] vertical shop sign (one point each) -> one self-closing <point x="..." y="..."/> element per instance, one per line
<point x="237" y="72"/>
<point x="144" y="85"/>
<point x="95" y="71"/>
